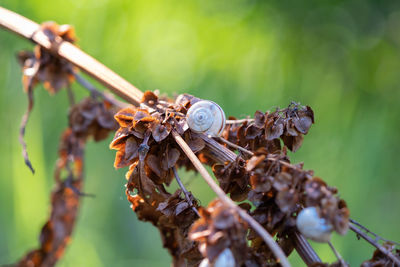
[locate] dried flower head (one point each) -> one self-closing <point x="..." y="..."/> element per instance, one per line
<point x="41" y="66"/>
<point x="220" y="228"/>
<point x="380" y="259"/>
<point x="92" y="117"/>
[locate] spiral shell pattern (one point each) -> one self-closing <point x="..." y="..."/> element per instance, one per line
<point x="206" y="117"/>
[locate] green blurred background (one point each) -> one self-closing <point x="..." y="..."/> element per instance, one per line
<point x="340" y="57"/>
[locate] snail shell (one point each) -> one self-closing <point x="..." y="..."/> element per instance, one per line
<point x="206" y="117"/>
<point x="224" y="259"/>
<point x="312" y="226"/>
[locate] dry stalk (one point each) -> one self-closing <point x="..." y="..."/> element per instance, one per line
<point x="304" y="249"/>
<point x="375" y="244"/>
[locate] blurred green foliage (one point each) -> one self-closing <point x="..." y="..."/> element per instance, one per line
<point x="340" y="57"/>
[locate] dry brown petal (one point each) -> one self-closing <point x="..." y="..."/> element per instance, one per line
<point x="120" y="159"/>
<point x="195" y="144"/>
<point x="293" y="142"/>
<point x="273" y="129"/>
<point x="282" y="181"/>
<point x="254" y="162"/>
<point x="160" y="131"/>
<point x="184" y="101"/>
<point x="252" y="132"/>
<point x="119" y="138"/>
<point x="150" y="99"/>
<point x="154" y="163"/>
<point x="259" y="119"/>
<point x="169" y="158"/>
<point x="314" y="191"/>
<point x="341" y="219"/>
<point x="260" y="183"/>
<point x="105" y="118"/>
<point x="131" y="149"/>
<point x="223" y="218"/>
<point x="144" y="116"/>
<point x="99" y="133"/>
<point x="125" y="116"/>
<point x="287" y="200"/>
<point x="303" y="124"/>
<point x="290" y="129"/>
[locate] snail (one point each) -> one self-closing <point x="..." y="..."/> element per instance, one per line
<point x="206" y="117"/>
<point x="312" y="226"/>
<point x="224" y="259"/>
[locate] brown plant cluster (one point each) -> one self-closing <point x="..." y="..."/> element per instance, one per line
<point x="41" y="66"/>
<point x="221" y="231"/>
<point x="289" y="125"/>
<point x="277" y="190"/>
<point x="144" y="143"/>
<point x="89" y="118"/>
<point x="380" y="259"/>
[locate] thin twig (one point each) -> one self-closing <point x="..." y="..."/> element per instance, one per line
<point x="235" y="146"/>
<point x="304" y="249"/>
<point x="337" y="254"/>
<point x="87" y="85"/>
<point x="185" y="192"/>
<point x="71" y="96"/>
<point x="375" y="244"/>
<point x="372" y="233"/>
<point x="242" y="149"/>
<point x="238" y="121"/>
<point x="22" y="128"/>
<point x="268" y="239"/>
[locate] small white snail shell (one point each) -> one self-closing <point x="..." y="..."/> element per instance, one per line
<point x="206" y="117"/>
<point x="312" y="226"/>
<point x="224" y="259"/>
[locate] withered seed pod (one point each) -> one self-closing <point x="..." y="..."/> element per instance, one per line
<point x="206" y="117"/>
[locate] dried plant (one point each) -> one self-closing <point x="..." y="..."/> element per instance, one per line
<point x="265" y="207"/>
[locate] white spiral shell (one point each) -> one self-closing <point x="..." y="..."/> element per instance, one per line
<point x="206" y="117"/>
<point x="312" y="226"/>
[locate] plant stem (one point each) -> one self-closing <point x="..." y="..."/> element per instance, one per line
<point x="372" y="233"/>
<point x="185" y="192"/>
<point x="223" y="197"/>
<point x="338" y="256"/>
<point x="306" y="252"/>
<point x="238" y="121"/>
<point x="87" y="85"/>
<point x="71" y="96"/>
<point x="235" y="146"/>
<point x="375" y="244"/>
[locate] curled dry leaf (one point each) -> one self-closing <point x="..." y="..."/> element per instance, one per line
<point x="41" y="66"/>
